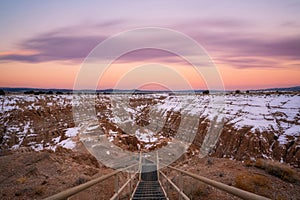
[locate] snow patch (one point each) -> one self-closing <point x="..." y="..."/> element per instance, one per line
<point x="72" y="132"/>
<point x="68" y="143"/>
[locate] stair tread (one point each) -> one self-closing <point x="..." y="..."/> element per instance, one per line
<point x="149" y="188"/>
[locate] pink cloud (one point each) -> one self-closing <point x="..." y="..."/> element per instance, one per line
<point x="231" y="46"/>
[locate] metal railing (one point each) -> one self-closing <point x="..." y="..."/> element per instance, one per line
<point x="129" y="181"/>
<point x="72" y="191"/>
<point x="137" y="171"/>
<point x="221" y="186"/>
<point x="179" y="190"/>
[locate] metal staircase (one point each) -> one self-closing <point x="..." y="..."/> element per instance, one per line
<point x="149" y="187"/>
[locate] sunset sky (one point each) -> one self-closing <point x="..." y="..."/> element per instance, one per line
<point x="254" y="44"/>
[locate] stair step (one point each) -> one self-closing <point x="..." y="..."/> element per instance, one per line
<point x="149" y="192"/>
<point x="149" y="188"/>
<point x="149" y="197"/>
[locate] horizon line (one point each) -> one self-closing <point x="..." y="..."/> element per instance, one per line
<point x="144" y="90"/>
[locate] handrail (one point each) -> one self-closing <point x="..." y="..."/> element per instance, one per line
<point x="69" y="192"/>
<point x="229" y="189"/>
<point x="123" y="187"/>
<point x="175" y="186"/>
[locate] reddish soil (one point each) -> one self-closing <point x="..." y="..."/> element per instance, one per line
<point x="233" y="173"/>
<point x="36" y="175"/>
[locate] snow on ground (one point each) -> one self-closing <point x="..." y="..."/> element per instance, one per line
<point x="145" y="136"/>
<point x="68" y="143"/>
<point x="23" y="128"/>
<point x="262" y="112"/>
<point x="71" y="132"/>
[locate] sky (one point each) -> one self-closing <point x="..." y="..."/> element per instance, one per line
<point x="253" y="44"/>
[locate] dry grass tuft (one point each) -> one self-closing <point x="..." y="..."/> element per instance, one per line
<point x="40" y="190"/>
<point x="254" y="183"/>
<point x="81" y="179"/>
<point x="21" y="180"/>
<point x="279" y="170"/>
<point x="249" y="163"/>
<point x="195" y="189"/>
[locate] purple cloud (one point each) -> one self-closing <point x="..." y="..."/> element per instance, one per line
<point x="222" y="46"/>
<point x="71" y="43"/>
<point x="245" y="62"/>
<point x="204" y="24"/>
<point x="283" y="47"/>
<point x="231" y="45"/>
<point x="56" y="48"/>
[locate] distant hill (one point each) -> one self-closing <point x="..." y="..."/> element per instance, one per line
<point x="22" y="90"/>
<point x="288" y="89"/>
<point x="132" y="91"/>
<point x="105" y="91"/>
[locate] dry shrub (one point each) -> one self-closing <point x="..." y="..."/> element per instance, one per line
<point x="249" y="163"/>
<point x="81" y="179"/>
<point x="40" y="190"/>
<point x="254" y="183"/>
<point x="195" y="189"/>
<point x="278" y="169"/>
<point x="22" y="180"/>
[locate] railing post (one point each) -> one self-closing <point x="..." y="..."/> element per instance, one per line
<point x="130" y="184"/>
<point x="181" y="194"/>
<point x="117" y="185"/>
<point x="180" y="185"/>
<point x="140" y="166"/>
<point x="167" y="187"/>
<point x="157" y="165"/>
